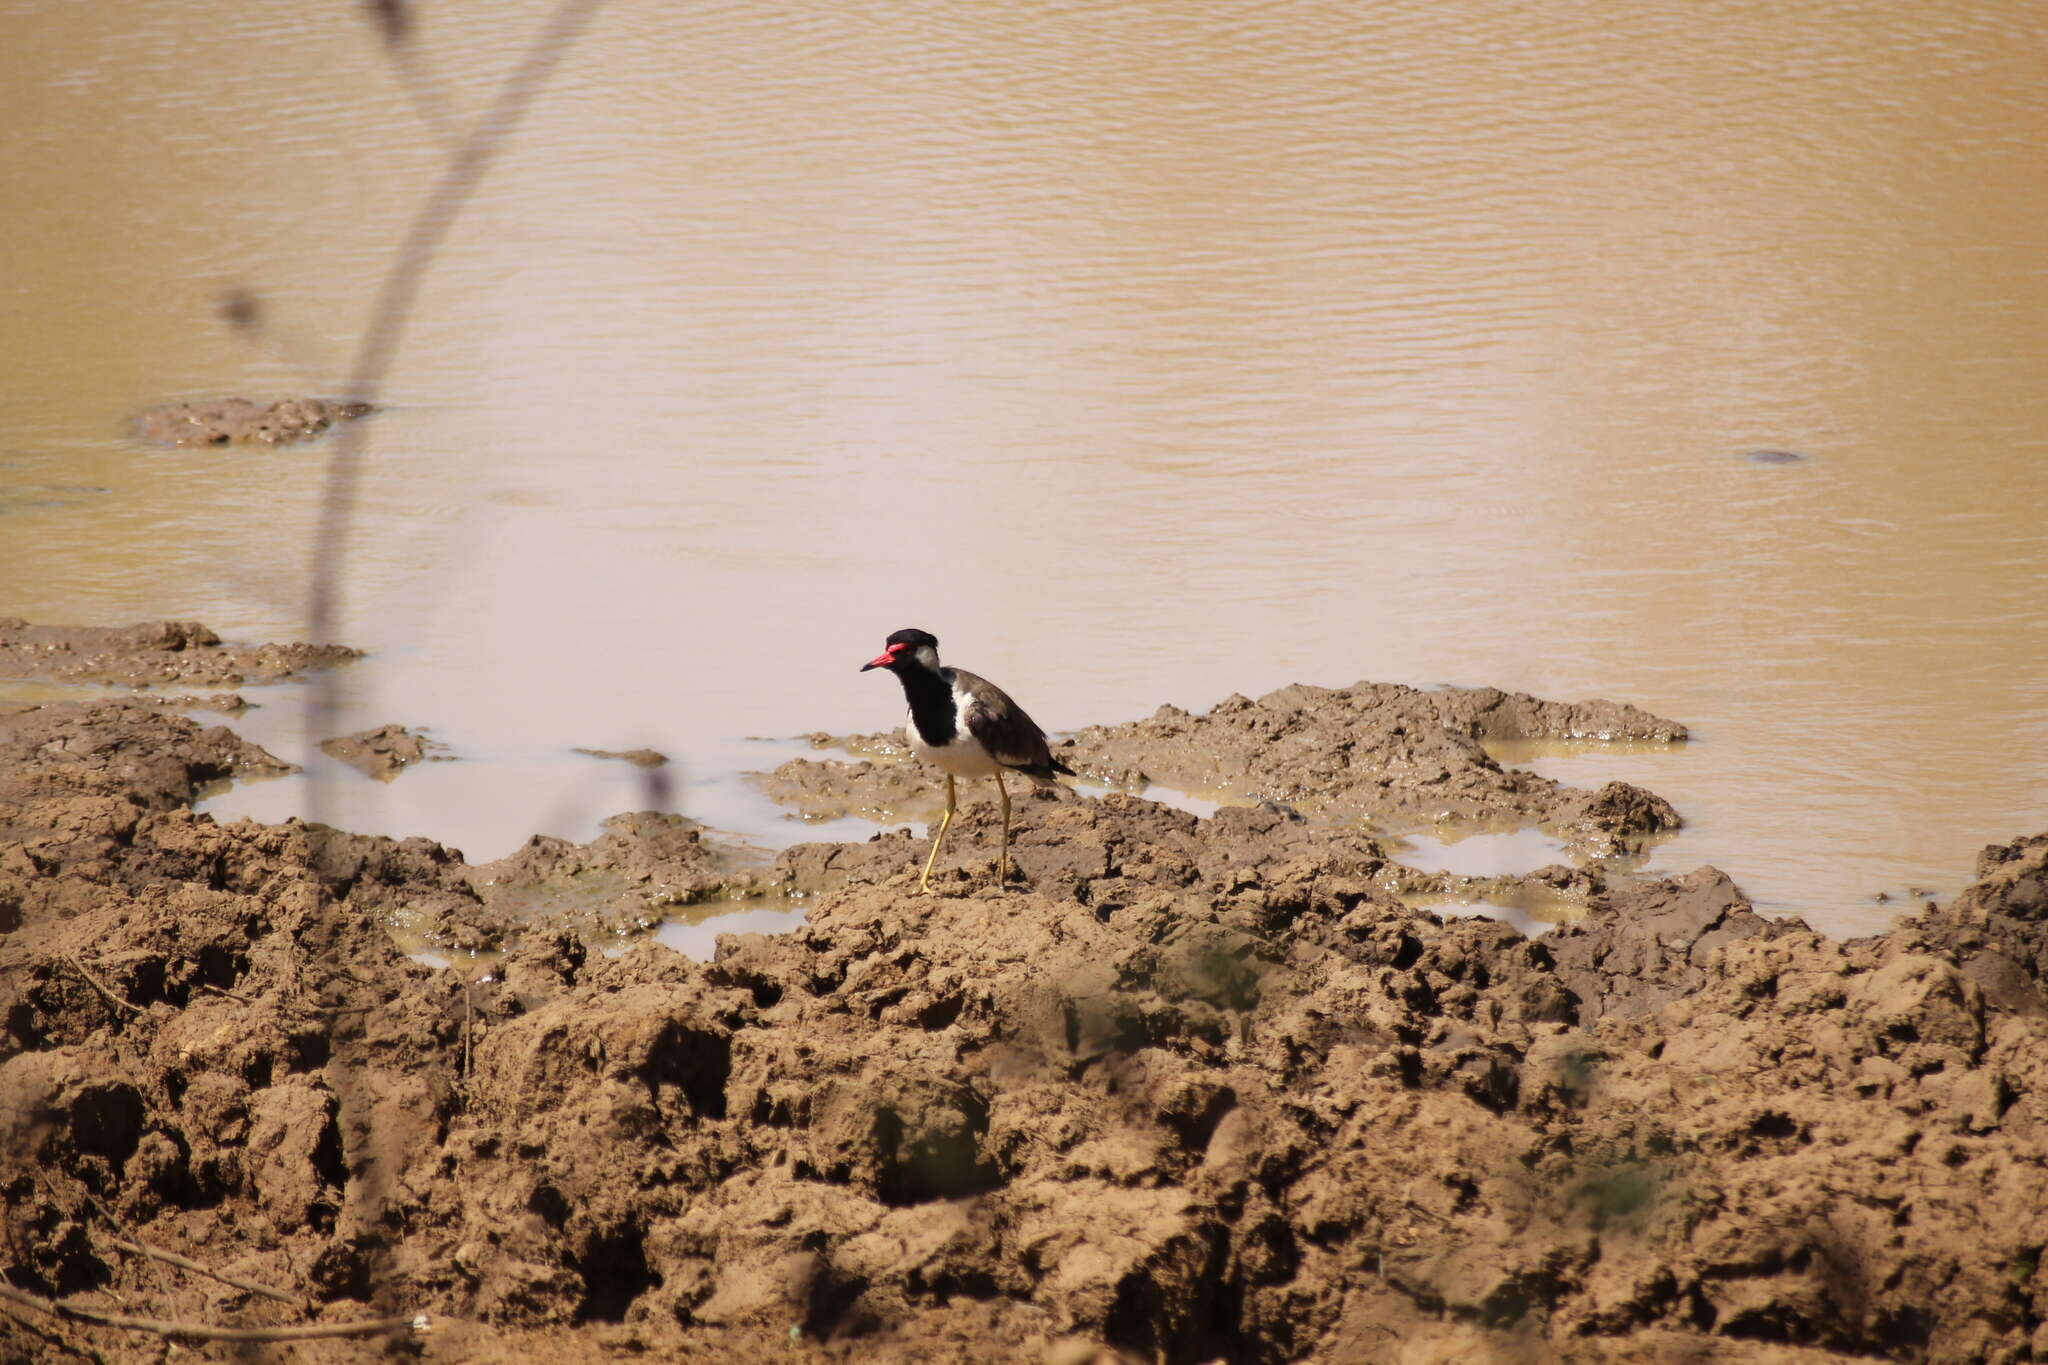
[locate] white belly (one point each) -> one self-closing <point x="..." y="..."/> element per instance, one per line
<point x="964" y="757"/>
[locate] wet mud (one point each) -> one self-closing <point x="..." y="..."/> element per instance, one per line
<point x="1393" y="758"/>
<point x="1189" y="1089"/>
<point x="237" y="421"/>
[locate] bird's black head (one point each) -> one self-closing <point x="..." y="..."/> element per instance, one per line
<point x="905" y="646"/>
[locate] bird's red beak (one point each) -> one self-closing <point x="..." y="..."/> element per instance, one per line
<point x="882" y="660"/>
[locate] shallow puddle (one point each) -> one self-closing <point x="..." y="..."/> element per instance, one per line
<point x="1532" y="914"/>
<point x="1197" y="803"/>
<point x="470" y="965"/>
<point x="698" y="938"/>
<point x="1452" y="907"/>
<point x="1481" y="855"/>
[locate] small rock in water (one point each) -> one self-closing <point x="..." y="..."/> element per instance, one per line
<point x="1773" y="456"/>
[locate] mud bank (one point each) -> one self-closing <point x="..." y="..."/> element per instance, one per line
<point x="1194" y="1089"/>
<point x="152" y="653"/>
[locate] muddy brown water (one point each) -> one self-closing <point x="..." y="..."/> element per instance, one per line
<point x="1143" y="355"/>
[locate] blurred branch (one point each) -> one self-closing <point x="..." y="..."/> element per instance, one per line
<point x="326" y="937"/>
<point x="394" y="21"/>
<point x="392" y="310"/>
<point x="428" y="101"/>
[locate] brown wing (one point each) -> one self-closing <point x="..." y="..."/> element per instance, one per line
<point x="1004" y="729"/>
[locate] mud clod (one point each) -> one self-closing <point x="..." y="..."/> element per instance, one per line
<point x="385" y="751"/>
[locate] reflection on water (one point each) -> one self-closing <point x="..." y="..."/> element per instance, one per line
<point x="1482" y="855"/>
<point x="699" y="938"/>
<point x="1142" y="354"/>
<point x="1532" y="916"/>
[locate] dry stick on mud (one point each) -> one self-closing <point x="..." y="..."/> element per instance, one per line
<point x="113" y="1221"/>
<point x="200" y="1331"/>
<point x="94" y="982"/>
<point x="136" y="1246"/>
<point x="187" y="1263"/>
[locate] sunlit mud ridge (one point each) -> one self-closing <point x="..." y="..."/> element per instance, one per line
<point x="1392" y="755"/>
<point x="237" y="421"/>
<point x="1196" y="1089"/>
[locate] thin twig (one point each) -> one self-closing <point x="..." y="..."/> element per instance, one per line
<point x="94" y="982"/>
<point x="187" y="1263"/>
<point x="222" y="990"/>
<point x="202" y="1331"/>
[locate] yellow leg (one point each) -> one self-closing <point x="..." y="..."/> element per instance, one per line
<point x="924" y="883"/>
<point x="1003" y="867"/>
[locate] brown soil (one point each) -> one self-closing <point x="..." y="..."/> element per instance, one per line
<point x="385" y="751"/>
<point x="237" y="421"/>
<point x="1195" y="1089"/>
<point x="152" y="653"/>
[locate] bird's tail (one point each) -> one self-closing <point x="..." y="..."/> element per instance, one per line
<point x="1045" y="771"/>
<point x="1042" y="772"/>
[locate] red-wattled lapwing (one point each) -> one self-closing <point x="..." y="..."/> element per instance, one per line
<point x="965" y="726"/>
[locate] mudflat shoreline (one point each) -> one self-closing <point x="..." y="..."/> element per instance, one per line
<point x="1190" y="1090"/>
